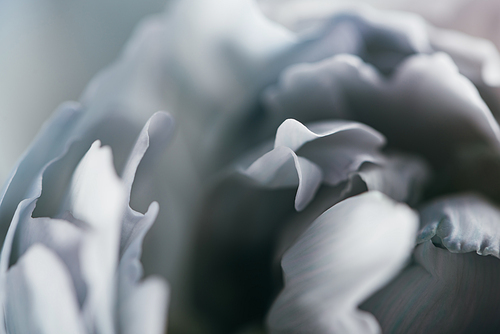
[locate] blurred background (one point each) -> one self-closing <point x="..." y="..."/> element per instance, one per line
<point x="50" y="49"/>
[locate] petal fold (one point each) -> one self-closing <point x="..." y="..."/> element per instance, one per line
<point x="321" y="152"/>
<point x="440" y="292"/>
<point x="324" y="285"/>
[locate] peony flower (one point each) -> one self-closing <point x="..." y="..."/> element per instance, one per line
<point x="355" y="147"/>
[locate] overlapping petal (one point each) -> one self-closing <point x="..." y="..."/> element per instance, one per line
<point x="41" y="297"/>
<point x="326" y="152"/>
<point x="462" y="223"/>
<point x="425" y="106"/>
<point x="440" y="292"/>
<point x="349" y="252"/>
<point x="401" y="177"/>
<point x="97" y="239"/>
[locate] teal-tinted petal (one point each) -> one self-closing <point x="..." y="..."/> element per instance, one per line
<point x="463" y="223"/>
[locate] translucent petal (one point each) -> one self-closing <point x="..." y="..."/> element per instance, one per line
<point x="463" y="223"/>
<point x="212" y="67"/>
<point x="348" y="253"/>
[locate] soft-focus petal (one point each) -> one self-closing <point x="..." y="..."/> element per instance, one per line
<point x="97" y="197"/>
<point x="425" y="106"/>
<point x="477" y="59"/>
<point x="40" y="296"/>
<point x="348" y="253"/>
<point x="380" y="38"/>
<point x="463" y="223"/>
<point x="212" y="67"/>
<point x="144" y="310"/>
<point x="440" y="292"/>
<point x="50" y="49"/>
<point x="52" y="141"/>
<point x="60" y="236"/>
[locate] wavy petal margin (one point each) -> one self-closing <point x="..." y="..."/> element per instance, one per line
<point x="463" y="223"/>
<point x="331" y="150"/>
<point x="426" y="105"/>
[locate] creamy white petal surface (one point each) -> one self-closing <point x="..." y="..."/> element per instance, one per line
<point x="349" y="252"/>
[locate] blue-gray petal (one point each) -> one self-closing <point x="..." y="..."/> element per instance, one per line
<point x="402" y="177"/>
<point x="478" y="59"/>
<point x="306" y="156"/>
<point x="463" y="223"/>
<point x="426" y="105"/>
<point x="440" y="293"/>
<point x="347" y="254"/>
<point x="52" y="141"/>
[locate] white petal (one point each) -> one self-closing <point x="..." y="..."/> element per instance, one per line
<point x="293" y="134"/>
<point x="98" y="198"/>
<point x="153" y="139"/>
<point x="347" y="254"/>
<point x="60" y="236"/>
<point x="440" y="292"/>
<point x="281" y="168"/>
<point x="25" y="183"/>
<point x="50" y="144"/>
<point x="328" y="151"/>
<point x="144" y="311"/>
<point x="130" y="268"/>
<point x="464" y="223"/>
<point x="40" y="295"/>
